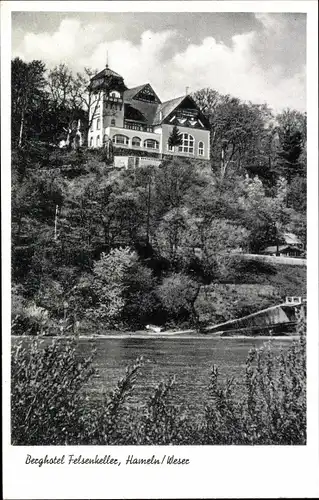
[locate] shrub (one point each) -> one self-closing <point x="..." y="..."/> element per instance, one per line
<point x="26" y="317"/>
<point x="177" y="294"/>
<point x="47" y="393"/>
<point x="124" y="289"/>
<point x="272" y="409"/>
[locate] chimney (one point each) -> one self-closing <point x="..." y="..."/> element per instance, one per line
<point x="186" y="90"/>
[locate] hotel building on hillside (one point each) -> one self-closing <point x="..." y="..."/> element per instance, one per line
<point x="139" y="124"/>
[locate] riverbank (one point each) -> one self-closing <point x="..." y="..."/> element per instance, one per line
<point x="157" y="336"/>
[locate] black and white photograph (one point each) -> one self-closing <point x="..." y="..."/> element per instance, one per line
<point x="159" y="238"/>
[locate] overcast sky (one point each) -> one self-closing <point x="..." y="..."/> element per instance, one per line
<point x="257" y="57"/>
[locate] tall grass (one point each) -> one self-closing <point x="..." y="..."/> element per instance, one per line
<point x="51" y="403"/>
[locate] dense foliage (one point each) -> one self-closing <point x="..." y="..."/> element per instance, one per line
<point x="127" y="248"/>
<point x="52" y="404"/>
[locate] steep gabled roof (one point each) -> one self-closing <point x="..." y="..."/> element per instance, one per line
<point x="164" y="109"/>
<point x="131" y="93"/>
<point x="148" y="109"/>
<point x="154" y="112"/>
<point x="135" y="94"/>
<point x="106" y="72"/>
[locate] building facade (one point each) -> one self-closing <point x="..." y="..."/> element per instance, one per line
<point x="139" y="124"/>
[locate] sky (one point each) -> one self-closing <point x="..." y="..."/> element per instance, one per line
<point x="257" y="57"/>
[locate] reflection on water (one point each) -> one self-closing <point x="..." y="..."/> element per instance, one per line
<point x="189" y="359"/>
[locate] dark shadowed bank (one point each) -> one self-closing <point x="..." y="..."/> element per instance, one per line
<point x="51" y="404"/>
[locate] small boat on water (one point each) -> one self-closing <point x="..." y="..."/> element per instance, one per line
<point x="154" y="328"/>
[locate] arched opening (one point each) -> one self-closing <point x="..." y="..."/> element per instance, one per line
<point x="121" y="140"/>
<point x="115" y="93"/>
<point x="151" y="144"/>
<point x="136" y="142"/>
<point x="201" y="148"/>
<point x="187" y="145"/>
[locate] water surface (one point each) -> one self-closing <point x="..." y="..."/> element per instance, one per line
<point x="190" y="359"/>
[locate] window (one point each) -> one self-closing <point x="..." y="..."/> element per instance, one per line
<point x="104" y="139"/>
<point x="187" y="145"/>
<point x="113" y="122"/>
<point x="201" y="148"/>
<point x="98" y="124"/>
<point x="170" y="148"/>
<point x="151" y="144"/>
<point x="91" y="128"/>
<point x="115" y="93"/>
<point x="97" y="141"/>
<point x="136" y="141"/>
<point x="121" y="139"/>
<point x="91" y="142"/>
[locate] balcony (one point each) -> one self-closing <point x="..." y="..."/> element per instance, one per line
<point x="132" y="125"/>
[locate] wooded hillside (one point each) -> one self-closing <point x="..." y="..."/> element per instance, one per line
<point x="127" y="248"/>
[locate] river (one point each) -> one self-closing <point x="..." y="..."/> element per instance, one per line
<point x="190" y="359"/>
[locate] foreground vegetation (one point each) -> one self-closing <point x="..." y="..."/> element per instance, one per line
<point x="52" y="405"/>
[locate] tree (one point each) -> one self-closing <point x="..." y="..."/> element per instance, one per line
<point x="90" y="101"/>
<point x="237" y="130"/>
<point x="175" y="138"/>
<point x="123" y="288"/>
<point x="66" y="101"/>
<point x="178" y="294"/>
<point x="292" y="140"/>
<point x="170" y="239"/>
<point x="207" y="100"/>
<point x="28" y="99"/>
